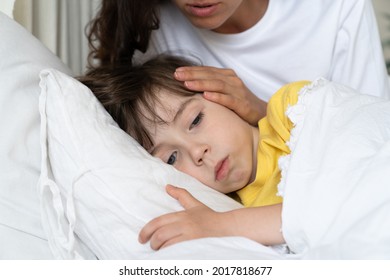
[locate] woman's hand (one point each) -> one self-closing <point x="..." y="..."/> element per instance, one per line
<point x="223" y="86"/>
<point x="196" y="221"/>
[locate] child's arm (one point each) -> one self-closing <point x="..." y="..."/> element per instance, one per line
<point x="261" y="224"/>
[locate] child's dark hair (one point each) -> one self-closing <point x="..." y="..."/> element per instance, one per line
<point x="129" y="93"/>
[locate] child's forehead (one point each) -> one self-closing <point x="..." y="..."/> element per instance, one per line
<point x="170" y="106"/>
<point x="169" y="100"/>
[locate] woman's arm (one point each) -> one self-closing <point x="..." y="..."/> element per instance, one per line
<point x="223" y="86"/>
<point x="261" y="224"/>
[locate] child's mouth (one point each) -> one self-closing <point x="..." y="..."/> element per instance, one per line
<point x="221" y="169"/>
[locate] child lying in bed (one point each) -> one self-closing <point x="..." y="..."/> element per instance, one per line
<point x="205" y="140"/>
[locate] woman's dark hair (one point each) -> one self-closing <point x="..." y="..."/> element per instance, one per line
<point x="130" y="94"/>
<point x="119" y="28"/>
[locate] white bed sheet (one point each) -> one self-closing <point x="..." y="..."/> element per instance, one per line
<point x="226" y="248"/>
<point x="20" y="245"/>
<point x="335" y="182"/>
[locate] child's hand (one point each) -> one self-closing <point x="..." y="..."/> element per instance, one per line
<point x="261" y="224"/>
<point x="223" y="86"/>
<point x="196" y="221"/>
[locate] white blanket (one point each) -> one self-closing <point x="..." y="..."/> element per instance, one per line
<point x="336" y="181"/>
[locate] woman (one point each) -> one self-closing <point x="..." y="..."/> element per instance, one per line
<point x="268" y="43"/>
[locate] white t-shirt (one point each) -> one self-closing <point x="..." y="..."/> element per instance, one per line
<point x="295" y="40"/>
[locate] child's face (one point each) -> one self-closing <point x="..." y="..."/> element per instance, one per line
<point x="207" y="141"/>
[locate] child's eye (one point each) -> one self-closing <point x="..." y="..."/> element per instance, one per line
<point x="172" y="158"/>
<point x="197" y="120"/>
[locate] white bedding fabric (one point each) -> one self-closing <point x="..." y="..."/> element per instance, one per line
<point x="336" y="181"/>
<point x="226" y="248"/>
<point x="22" y="57"/>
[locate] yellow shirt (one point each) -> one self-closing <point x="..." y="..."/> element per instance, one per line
<point x="274" y="132"/>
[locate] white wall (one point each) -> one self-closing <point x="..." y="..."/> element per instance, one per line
<point x="382" y="10"/>
<point x="60" y="25"/>
<point x="6" y="6"/>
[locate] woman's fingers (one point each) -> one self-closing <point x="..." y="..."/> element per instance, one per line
<point x="224" y="87"/>
<point x="202" y="72"/>
<point x="223" y="99"/>
<point x="208" y="78"/>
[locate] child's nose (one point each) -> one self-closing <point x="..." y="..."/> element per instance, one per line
<point x="198" y="152"/>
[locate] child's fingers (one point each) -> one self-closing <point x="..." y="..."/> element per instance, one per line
<point x="183" y="196"/>
<point x="164" y="236"/>
<point x="154" y="225"/>
<point x="176" y="239"/>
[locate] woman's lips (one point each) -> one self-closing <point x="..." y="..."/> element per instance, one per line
<point x="221" y="169"/>
<point x="202" y="10"/>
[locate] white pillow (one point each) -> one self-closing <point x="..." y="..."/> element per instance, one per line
<point x="22" y="57"/>
<point x="96" y="181"/>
